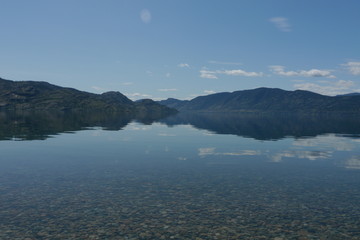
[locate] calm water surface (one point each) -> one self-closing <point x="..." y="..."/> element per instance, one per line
<point x="179" y="182"/>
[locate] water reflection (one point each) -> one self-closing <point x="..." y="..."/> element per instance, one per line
<point x="328" y="149"/>
<point x="310" y="155"/>
<point x="270" y="126"/>
<point x="211" y="151"/>
<point x="353" y="162"/>
<point x="42" y="125"/>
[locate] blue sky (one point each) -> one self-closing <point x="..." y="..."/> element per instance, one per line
<point x="181" y="48"/>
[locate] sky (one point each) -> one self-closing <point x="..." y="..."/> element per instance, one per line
<point x="182" y="48"/>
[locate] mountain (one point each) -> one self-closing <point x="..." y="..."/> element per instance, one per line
<point x="41" y="96"/>
<point x="267" y="99"/>
<point x="350" y="94"/>
<point x="174" y="103"/>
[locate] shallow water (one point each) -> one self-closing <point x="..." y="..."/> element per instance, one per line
<point x="160" y="182"/>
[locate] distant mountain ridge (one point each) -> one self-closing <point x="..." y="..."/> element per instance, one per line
<point x="34" y="95"/>
<point x="349" y="94"/>
<point x="40" y="96"/>
<point x="267" y="99"/>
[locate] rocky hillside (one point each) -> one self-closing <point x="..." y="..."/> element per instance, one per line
<point x="267" y="99"/>
<point x="40" y="96"/>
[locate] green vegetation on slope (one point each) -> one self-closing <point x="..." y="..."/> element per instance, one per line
<point x="41" y="96"/>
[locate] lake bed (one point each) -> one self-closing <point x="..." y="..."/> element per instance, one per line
<point x="179" y="182"/>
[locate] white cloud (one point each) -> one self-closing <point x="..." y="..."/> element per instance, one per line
<point x="139" y="129"/>
<point x="183" y="65"/>
<point x="134" y="96"/>
<point x="191" y="96"/>
<point x="167" y="89"/>
<point x="281" y="23"/>
<point x="317" y="73"/>
<point x="209" y="92"/>
<point x="99" y="89"/>
<point x="158" y="98"/>
<point x="328" y="88"/>
<point x="239" y="72"/>
<point x="280" y="70"/>
<point x="145" y="16"/>
<point x="167" y="75"/>
<point x="353" y="67"/>
<point x="236" y="72"/>
<point x="207" y="74"/>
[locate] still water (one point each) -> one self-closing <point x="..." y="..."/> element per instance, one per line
<point x="180" y="178"/>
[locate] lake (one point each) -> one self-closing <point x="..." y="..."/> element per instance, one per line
<point x="210" y="176"/>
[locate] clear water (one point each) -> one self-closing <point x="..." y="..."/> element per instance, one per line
<point x="179" y="182"/>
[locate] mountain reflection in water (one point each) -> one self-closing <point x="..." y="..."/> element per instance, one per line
<point x="42" y="125"/>
<point x="260" y="126"/>
<point x="270" y="126"/>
